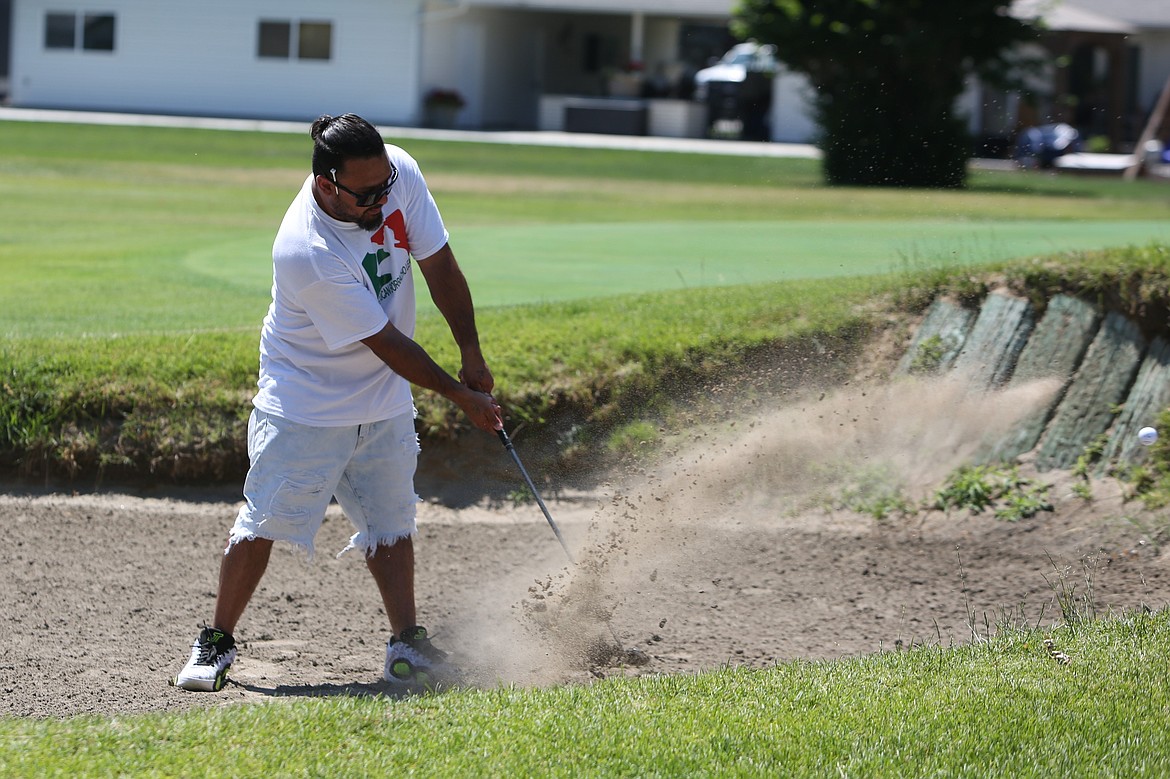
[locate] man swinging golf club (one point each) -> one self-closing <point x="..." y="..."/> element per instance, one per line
<point x="334" y="414"/>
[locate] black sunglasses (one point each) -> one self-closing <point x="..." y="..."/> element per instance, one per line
<point x="366" y="199"/>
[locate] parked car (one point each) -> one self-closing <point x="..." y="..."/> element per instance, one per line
<point x="734" y="66"/>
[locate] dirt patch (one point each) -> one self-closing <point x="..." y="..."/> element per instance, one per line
<point x="732" y="550"/>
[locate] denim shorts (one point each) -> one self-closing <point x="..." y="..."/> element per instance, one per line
<point x="296" y="469"/>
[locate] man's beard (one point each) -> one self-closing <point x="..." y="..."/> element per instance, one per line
<point x="370" y="220"/>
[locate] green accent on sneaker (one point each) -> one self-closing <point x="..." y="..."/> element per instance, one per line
<point x="402" y="669"/>
<point x="416" y="633"/>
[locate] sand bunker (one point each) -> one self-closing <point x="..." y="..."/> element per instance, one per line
<point x="733" y="548"/>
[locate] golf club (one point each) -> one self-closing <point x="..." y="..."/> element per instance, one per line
<point x="516" y="458"/>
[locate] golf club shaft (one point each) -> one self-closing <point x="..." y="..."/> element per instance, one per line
<point x="516" y="458"/>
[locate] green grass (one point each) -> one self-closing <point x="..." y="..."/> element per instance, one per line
<point x="135" y="265"/>
<point x="118" y="230"/>
<point x="1001" y="707"/>
<point x="137" y="270"/>
<point x="144" y="405"/>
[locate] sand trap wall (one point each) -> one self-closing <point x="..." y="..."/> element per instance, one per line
<point x="1111" y="381"/>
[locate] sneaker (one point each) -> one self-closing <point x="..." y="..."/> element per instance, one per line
<point x="211" y="657"/>
<point x="411" y="658"/>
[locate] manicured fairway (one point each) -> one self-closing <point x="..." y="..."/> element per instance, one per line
<point x="139" y="230"/>
<point x="224" y="282"/>
<point x="559" y="262"/>
<point x="521" y="264"/>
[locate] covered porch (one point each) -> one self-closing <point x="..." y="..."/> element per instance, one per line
<point x="571" y="65"/>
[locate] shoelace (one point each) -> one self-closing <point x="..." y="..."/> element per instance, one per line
<point x="208" y="654"/>
<point x="424" y="647"/>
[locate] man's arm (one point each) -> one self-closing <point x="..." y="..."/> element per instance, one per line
<point x="449" y="290"/>
<point x="411" y="362"/>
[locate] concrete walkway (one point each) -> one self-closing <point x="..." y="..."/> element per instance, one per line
<point x="520" y="137"/>
<point x="535" y="138"/>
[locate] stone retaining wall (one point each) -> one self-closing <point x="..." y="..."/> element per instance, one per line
<point x="1112" y="381"/>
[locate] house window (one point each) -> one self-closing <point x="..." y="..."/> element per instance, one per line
<point x="280" y="39"/>
<point x="315" y="41"/>
<point x="274" y="39"/>
<point x="60" y="31"/>
<point x="98" y="32"/>
<point x="64" y="29"/>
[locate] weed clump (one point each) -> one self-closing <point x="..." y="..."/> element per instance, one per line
<point x="1000" y="487"/>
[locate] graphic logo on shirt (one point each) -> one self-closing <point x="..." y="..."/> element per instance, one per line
<point x="397" y="226"/>
<point x="386" y="285"/>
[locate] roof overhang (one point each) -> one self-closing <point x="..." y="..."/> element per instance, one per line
<point x="1062" y="17"/>
<point x="1057" y="15"/>
<point x="703" y="8"/>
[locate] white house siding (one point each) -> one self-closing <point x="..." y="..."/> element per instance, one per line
<point x="201" y="58"/>
<point x="792" y="110"/>
<point x="474" y="52"/>
<point x="502" y="60"/>
<point x="1154" y="66"/>
<point x="511" y="64"/>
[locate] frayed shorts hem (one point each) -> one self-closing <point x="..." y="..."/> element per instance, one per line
<point x="369" y="542"/>
<point x="296" y="470"/>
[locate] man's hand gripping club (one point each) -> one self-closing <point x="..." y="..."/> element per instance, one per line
<point x="411" y="362"/>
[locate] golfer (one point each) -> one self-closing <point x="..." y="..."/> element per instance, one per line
<point x="334" y="415"/>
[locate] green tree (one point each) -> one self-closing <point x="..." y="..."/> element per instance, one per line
<point x="886" y="75"/>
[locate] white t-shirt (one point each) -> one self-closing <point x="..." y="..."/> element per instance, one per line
<point x="333" y="284"/>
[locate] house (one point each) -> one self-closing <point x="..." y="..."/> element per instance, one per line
<point x="1147" y="58"/>
<point x="1113" y="61"/>
<point x="507" y="64"/>
<point x="288" y="59"/>
<point x="295" y="59"/>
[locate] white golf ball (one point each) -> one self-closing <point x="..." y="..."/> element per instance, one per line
<point x="1147" y="435"/>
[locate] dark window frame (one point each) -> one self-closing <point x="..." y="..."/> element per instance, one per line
<point x="308" y="40"/>
<point x="81" y="31"/>
<point x="268" y="39"/>
<point x="325" y="53"/>
<point x="99" y="32"/>
<point x="58" y="35"/>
